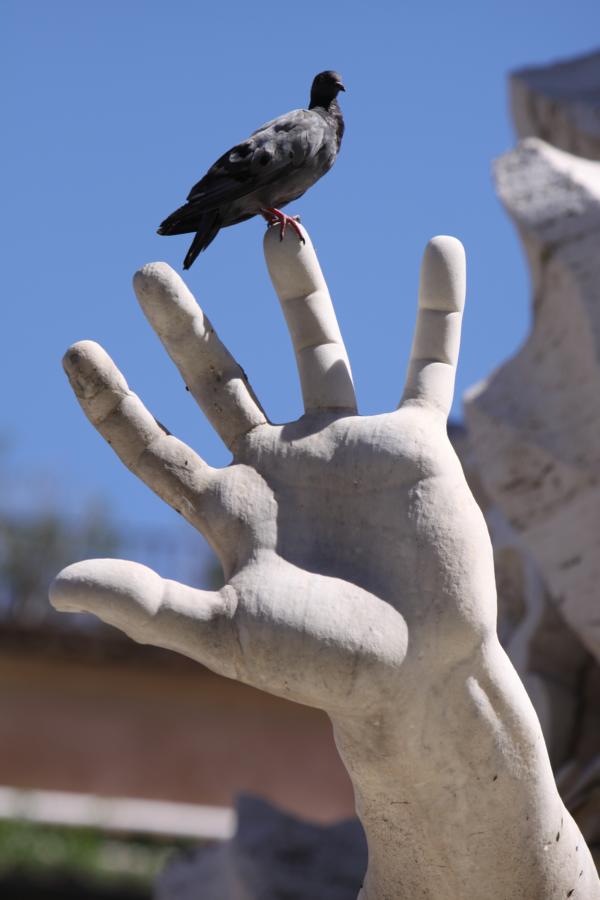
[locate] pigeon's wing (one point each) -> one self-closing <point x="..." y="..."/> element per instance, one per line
<point x="270" y="153"/>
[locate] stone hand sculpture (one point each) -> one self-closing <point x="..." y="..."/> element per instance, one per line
<point x="359" y="579"/>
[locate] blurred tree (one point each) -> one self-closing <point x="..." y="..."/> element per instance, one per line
<point x="34" y="548"/>
<point x="40" y="539"/>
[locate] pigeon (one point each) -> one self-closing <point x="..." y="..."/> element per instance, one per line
<point x="275" y="166"/>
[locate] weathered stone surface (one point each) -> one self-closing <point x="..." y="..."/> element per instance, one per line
<point x="560" y="103"/>
<point x="272" y="856"/>
<point x="535" y="423"/>
<point x="561" y="677"/>
<point x="549" y="657"/>
<point x="534" y="426"/>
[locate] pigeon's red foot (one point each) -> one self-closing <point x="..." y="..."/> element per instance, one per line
<point x="276" y="217"/>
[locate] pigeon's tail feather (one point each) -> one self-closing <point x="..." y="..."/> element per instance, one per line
<point x="183" y="221"/>
<point x="204" y="237"/>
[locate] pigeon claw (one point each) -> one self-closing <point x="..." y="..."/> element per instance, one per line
<point x="276" y="217"/>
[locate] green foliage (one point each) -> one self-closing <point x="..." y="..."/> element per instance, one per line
<point x="31" y="849"/>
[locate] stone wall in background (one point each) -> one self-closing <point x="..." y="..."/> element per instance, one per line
<point x="534" y="425"/>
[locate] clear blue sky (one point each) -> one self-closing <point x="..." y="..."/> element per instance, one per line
<point x="112" y="110"/>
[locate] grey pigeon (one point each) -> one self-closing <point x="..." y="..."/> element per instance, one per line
<point x="276" y="165"/>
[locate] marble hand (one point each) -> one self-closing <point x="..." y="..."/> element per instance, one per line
<point x="358" y="578"/>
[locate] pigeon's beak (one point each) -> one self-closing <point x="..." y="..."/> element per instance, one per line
<point x="340" y="86"/>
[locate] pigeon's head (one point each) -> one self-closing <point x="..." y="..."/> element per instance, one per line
<point x="325" y="88"/>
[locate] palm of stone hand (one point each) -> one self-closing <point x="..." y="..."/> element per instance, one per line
<point x="356" y="544"/>
<point x="319" y="524"/>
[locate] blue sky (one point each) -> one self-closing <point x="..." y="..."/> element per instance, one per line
<point x="113" y="110"/>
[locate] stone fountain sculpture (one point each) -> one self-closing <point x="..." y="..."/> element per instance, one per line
<point x="359" y="579"/>
<point x="534" y="424"/>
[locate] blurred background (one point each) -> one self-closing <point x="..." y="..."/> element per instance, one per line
<point x="111" y="112"/>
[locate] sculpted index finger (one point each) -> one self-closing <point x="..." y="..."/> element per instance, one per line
<point x="217" y="382"/>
